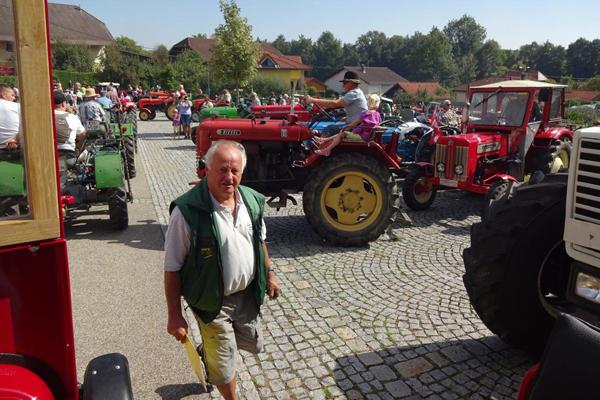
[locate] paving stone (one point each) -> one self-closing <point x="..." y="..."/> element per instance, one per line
<point x="397" y="389"/>
<point x="413" y="367"/>
<point x="383" y="373"/>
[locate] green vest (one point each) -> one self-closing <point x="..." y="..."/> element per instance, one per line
<point x="202" y="274"/>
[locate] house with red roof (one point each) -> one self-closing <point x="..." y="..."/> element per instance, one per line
<point x="431" y="90"/>
<point x="373" y="80"/>
<point x="272" y="64"/>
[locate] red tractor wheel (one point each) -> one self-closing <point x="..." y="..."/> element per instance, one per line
<point x="418" y="192"/>
<point x="170" y="111"/>
<point x="144" y="115"/>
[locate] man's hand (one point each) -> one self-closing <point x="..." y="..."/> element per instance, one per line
<point x="177" y="326"/>
<point x="308" y="99"/>
<point x="12" y="144"/>
<point x="273" y="289"/>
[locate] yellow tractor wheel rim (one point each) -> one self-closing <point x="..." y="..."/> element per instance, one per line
<point x="351" y="201"/>
<point x="561" y="161"/>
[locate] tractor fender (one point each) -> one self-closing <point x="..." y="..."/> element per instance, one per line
<point x="127" y="129"/>
<point x="107" y="377"/>
<point x="108" y="166"/>
<point x="427" y="167"/>
<point x="500" y="177"/>
<point x="146" y="109"/>
<point x="17" y="382"/>
<point x="552" y="134"/>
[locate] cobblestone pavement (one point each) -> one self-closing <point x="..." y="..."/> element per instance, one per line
<point x="391" y="320"/>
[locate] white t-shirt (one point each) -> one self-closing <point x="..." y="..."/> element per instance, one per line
<point x="10" y="121"/>
<point x="73" y="124"/>
<point x="237" y="252"/>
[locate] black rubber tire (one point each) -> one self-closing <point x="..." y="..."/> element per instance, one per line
<point x="543" y="159"/>
<point x="503" y="264"/>
<point x="129" y="154"/>
<point x="130" y="118"/>
<point x="117" y="209"/>
<point x="408" y="191"/>
<point x="195" y="116"/>
<point x="498" y="191"/>
<point x="145" y="115"/>
<point x="170" y="111"/>
<point x="152" y="115"/>
<point x="347" y="163"/>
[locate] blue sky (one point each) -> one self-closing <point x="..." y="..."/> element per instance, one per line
<point x="512" y="23"/>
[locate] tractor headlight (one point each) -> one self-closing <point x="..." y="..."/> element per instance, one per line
<point x="441" y="167"/>
<point x="588" y="287"/>
<point x="459" y="169"/>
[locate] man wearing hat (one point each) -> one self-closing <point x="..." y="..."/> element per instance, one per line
<point x="91" y="113"/>
<point x="353" y="100"/>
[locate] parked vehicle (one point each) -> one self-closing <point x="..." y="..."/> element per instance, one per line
<point x="37" y="347"/>
<point x="514" y="129"/>
<point x="349" y="198"/>
<point x="148" y="106"/>
<point x="537" y="253"/>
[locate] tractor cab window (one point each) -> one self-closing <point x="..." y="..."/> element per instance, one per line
<point x="555" y="111"/>
<point x="13" y="186"/>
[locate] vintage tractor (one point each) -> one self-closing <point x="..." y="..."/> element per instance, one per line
<point x="37" y="347"/>
<point x="514" y="129"/>
<point x="148" y="106"/>
<point x="537" y="254"/>
<point x="349" y="198"/>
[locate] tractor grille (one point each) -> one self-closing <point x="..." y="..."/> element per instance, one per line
<point x="451" y="156"/>
<point x="586" y="202"/>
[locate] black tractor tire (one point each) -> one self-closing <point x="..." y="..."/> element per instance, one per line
<point x="195" y="116"/>
<point x="129" y="155"/>
<point x="552" y="160"/>
<point x="152" y="114"/>
<point x="350" y="199"/>
<point x="498" y="191"/>
<point x="170" y="111"/>
<point x="130" y="118"/>
<point x="117" y="209"/>
<point x="145" y="115"/>
<point x="516" y="259"/>
<point x="411" y="190"/>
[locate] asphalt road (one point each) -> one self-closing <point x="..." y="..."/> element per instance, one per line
<point x="384" y="321"/>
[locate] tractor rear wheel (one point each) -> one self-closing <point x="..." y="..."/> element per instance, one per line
<point x="418" y="193"/>
<point x="497" y="192"/>
<point x="129" y="154"/>
<point x="170" y="111"/>
<point x="516" y="270"/>
<point x="144" y="115"/>
<point x="130" y="118"/>
<point x="553" y="159"/>
<point x="350" y="199"/>
<point x="196" y="116"/>
<point x="117" y="209"/>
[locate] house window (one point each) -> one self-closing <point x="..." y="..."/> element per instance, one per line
<point x="10" y="47"/>
<point x="268" y="63"/>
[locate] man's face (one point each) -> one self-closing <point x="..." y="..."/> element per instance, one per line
<point x="347" y="85"/>
<point x="224" y="172"/>
<point x="447" y="106"/>
<point x="8" y="95"/>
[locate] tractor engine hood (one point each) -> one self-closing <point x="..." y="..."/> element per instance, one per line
<point x="480" y="143"/>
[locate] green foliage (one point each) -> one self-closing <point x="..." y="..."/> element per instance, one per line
<point x="580" y="116"/>
<point x="264" y="87"/>
<point x="130" y="44"/>
<point x="8" y="80"/>
<point x="489" y="59"/>
<point x="592" y="84"/>
<point x="188" y="69"/>
<point x="234" y="51"/>
<point x="311" y="91"/>
<point x="120" y="67"/>
<point x="72" y="57"/>
<point x="200" y="36"/>
<point x="583" y="58"/>
<point x="67" y="77"/>
<point x="465" y="35"/>
<point x="160" y="54"/>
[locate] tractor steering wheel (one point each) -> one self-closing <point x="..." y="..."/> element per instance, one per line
<point x="450" y="130"/>
<point x="319" y="116"/>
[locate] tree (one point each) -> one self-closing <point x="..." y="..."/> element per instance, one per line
<point x="119" y="67"/>
<point x="72" y="57"/>
<point x="328" y="55"/>
<point x="234" y="52"/>
<point x="189" y="69"/>
<point x="489" y="59"/>
<point x="465" y="35"/>
<point x="583" y="58"/>
<point x="200" y="36"/>
<point x="350" y="55"/>
<point x="160" y="54"/>
<point x="130" y="44"/>
<point x="428" y="58"/>
<point x="281" y="44"/>
<point x="304" y="48"/>
<point x="373" y="48"/>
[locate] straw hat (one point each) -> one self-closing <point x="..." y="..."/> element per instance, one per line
<point x="90" y="92"/>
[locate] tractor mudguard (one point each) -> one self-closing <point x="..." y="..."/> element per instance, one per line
<point x="108" y="165"/>
<point x="12" y="177"/>
<point x="427" y="167"/>
<point x="128" y="128"/>
<point x="107" y="377"/>
<point x="551" y="134"/>
<point x="500" y="177"/>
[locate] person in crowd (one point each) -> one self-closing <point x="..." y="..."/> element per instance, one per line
<point x="254" y="100"/>
<point x="359" y="130"/>
<point x="104" y="101"/>
<point x="91" y="112"/>
<point x="226" y="96"/>
<point x="181" y="91"/>
<point x="207" y="103"/>
<point x="10" y="119"/>
<point x="70" y="133"/>
<point x="353" y="101"/>
<point x="111" y="93"/>
<point x="447" y="116"/>
<point x="199" y="93"/>
<point x="184" y="109"/>
<point x="386" y="110"/>
<point x="213" y="230"/>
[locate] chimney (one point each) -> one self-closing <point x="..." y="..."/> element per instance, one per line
<point x="363" y="68"/>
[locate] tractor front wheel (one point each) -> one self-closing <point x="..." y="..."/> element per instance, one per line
<point x="552" y="160"/>
<point x="350" y="199"/>
<point x="144" y="115"/>
<point x="516" y="270"/>
<point x="170" y="111"/>
<point x="117" y="209"/>
<point x="195" y="116"/>
<point x="152" y="114"/>
<point x="417" y="191"/>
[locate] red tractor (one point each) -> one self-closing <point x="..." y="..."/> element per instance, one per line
<point x="163" y="101"/>
<point x="37" y="352"/>
<point x="282" y="112"/>
<point x="514" y="129"/>
<point x="349" y="198"/>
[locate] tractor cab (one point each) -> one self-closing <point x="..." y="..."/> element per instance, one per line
<point x="514" y="128"/>
<point x="37" y="352"/>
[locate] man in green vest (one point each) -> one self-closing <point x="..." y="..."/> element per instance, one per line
<point x="217" y="259"/>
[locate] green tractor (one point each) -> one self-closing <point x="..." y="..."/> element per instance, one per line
<point x="224" y="112"/>
<point x="13" y="191"/>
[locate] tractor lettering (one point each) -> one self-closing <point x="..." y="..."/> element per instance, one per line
<point x="229" y="132"/>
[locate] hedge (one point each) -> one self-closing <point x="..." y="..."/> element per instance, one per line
<point x="8" y="80"/>
<point x="64" y="77"/>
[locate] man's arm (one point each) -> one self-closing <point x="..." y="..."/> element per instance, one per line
<point x="176" y="325"/>
<point x="325" y="103"/>
<point x="273" y="288"/>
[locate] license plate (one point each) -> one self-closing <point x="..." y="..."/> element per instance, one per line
<point x="448" y="182"/>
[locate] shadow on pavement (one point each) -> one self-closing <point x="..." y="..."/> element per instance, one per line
<point x="477" y="369"/>
<point x="191" y="146"/>
<point x="179" y="391"/>
<point x="144" y="234"/>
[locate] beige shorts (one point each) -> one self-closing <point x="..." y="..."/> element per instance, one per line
<point x="237" y="326"/>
